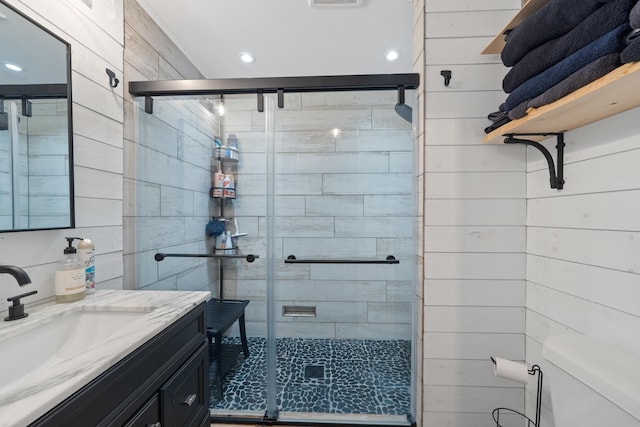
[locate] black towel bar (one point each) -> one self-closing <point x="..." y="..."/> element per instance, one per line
<point x="291" y="259"/>
<point x="249" y="258"/>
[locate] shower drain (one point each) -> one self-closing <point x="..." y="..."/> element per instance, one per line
<point x="313" y="371"/>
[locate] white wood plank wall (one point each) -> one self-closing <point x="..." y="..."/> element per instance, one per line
<point x="583" y="243"/>
<point x="474" y="221"/>
<point x="97" y="125"/>
<point x="167" y="167"/>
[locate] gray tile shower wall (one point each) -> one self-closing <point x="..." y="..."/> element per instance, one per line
<point x="167" y="160"/>
<point x="325" y="186"/>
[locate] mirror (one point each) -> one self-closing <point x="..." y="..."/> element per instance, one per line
<point x="36" y="155"/>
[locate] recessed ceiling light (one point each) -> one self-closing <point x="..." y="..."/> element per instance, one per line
<point x="13" y="67"/>
<point x="392" y="55"/>
<point x="247" y="58"/>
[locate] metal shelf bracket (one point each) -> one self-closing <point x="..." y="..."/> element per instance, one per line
<point x="556" y="176"/>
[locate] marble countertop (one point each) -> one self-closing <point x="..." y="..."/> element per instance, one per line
<point x="24" y="400"/>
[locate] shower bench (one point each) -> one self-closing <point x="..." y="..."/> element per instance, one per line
<point x="221" y="314"/>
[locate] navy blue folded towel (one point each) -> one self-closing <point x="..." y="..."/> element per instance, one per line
<point x="575" y="81"/>
<point x="611" y="42"/>
<point x="497" y="124"/>
<point x="554" y="19"/>
<point x="600" y="22"/>
<point x="632" y="52"/>
<point x="634" y="16"/>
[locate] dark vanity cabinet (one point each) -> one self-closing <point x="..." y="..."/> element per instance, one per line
<point x="164" y="383"/>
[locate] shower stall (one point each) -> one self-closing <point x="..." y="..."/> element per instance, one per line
<point x="323" y="216"/>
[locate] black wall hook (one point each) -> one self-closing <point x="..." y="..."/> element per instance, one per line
<point x="447" y="76"/>
<point x="113" y="81"/>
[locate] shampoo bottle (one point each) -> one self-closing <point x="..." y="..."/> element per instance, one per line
<point x="229" y="186"/>
<point x="218" y="184"/>
<point x="86" y="254"/>
<point x="70" y="275"/>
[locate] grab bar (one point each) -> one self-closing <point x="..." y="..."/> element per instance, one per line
<point x="249" y="258"/>
<point x="291" y="259"/>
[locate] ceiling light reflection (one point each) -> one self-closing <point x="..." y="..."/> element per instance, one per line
<point x="247" y="58"/>
<point x="13" y="67"/>
<point x="392" y="55"/>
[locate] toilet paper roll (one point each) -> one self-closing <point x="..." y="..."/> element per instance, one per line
<point x="511" y="370"/>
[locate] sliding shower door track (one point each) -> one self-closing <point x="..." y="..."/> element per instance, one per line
<point x="291" y="419"/>
<point x="279" y="85"/>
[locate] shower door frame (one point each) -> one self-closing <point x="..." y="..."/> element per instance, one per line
<point x="278" y="86"/>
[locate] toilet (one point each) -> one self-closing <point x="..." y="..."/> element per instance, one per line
<point x="592" y="383"/>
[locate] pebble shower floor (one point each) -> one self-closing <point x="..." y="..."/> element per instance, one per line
<point x="329" y="376"/>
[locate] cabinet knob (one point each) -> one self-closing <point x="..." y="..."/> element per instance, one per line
<point x="155" y="424"/>
<point x="189" y="400"/>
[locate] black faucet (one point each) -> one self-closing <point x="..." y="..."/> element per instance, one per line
<point x="16" y="311"/>
<point x="19" y="274"/>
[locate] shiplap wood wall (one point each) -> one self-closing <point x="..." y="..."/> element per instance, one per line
<point x="96" y="43"/>
<point x="583" y="243"/>
<point x="474" y="221"/>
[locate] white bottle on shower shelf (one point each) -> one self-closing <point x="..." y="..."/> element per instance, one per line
<point x="228" y="245"/>
<point x="221" y="241"/>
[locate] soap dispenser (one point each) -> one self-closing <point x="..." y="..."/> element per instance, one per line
<point x="70" y="275"/>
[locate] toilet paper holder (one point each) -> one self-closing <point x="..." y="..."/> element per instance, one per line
<point x="535" y="369"/>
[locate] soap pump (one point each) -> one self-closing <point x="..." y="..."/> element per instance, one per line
<point x="70" y="275"/>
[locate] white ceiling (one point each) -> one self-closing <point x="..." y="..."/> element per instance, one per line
<point x="287" y="37"/>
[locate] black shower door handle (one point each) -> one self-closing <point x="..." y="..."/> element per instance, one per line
<point x="291" y="259"/>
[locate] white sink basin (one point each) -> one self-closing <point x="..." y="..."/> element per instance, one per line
<point x="32" y="350"/>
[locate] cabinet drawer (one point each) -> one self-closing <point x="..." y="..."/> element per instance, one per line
<point x="148" y="415"/>
<point x="185" y="396"/>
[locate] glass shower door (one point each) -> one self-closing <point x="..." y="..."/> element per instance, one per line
<point x="343" y="242"/>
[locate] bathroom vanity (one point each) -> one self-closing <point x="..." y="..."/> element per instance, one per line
<point x="134" y="358"/>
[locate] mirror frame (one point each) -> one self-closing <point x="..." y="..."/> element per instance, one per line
<point x="50" y="91"/>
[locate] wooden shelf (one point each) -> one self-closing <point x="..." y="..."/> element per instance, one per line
<point x="528" y="9"/>
<point x="611" y="94"/>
